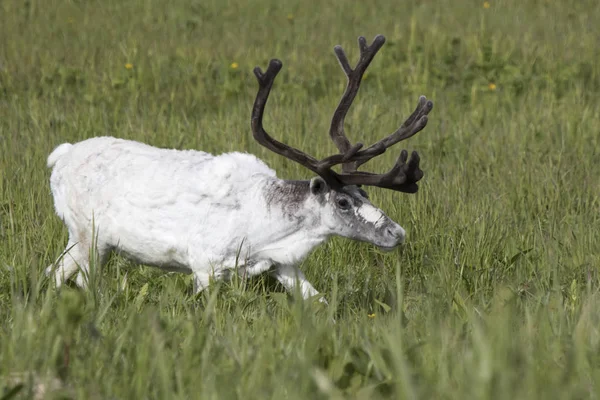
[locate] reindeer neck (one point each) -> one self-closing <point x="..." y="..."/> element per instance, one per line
<point x="295" y="227"/>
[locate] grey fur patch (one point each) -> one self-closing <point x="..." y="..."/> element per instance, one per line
<point x="288" y="195"/>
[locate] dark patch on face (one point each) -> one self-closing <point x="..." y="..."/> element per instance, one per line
<point x="353" y="195"/>
<point x="357" y="198"/>
<point x="289" y="195"/>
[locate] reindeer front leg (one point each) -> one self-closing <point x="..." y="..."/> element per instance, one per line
<point x="290" y="276"/>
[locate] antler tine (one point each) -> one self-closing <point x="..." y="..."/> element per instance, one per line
<point x="265" y="82"/>
<point x="403" y="176"/>
<point x="336" y="130"/>
<point x="413" y="125"/>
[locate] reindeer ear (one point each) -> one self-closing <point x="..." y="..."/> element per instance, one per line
<point x="318" y="186"/>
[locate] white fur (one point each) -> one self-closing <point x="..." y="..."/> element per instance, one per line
<point x="58" y="153"/>
<point x="185" y="211"/>
<point x="370" y="214"/>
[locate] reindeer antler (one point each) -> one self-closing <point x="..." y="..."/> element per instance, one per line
<point x="404" y="174"/>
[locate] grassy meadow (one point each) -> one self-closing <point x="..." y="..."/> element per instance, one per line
<point x="495" y="295"/>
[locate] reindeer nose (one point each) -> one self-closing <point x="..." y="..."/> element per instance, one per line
<point x="397" y="232"/>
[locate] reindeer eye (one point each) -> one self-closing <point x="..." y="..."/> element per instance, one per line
<point x="343" y="203"/>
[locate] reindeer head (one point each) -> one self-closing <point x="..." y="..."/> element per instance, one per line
<point x="344" y="206"/>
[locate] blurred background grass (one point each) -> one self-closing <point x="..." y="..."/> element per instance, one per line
<point x="495" y="294"/>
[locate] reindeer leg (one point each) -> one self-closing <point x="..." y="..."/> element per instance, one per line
<point x="290" y="276"/>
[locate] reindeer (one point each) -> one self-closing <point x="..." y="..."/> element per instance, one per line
<point x="206" y="215"/>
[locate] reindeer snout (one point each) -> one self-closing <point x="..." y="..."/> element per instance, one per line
<point x="397" y="232"/>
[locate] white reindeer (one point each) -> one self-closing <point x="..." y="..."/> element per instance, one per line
<point x="194" y="212"/>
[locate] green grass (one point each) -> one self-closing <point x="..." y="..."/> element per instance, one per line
<point x="496" y="293"/>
